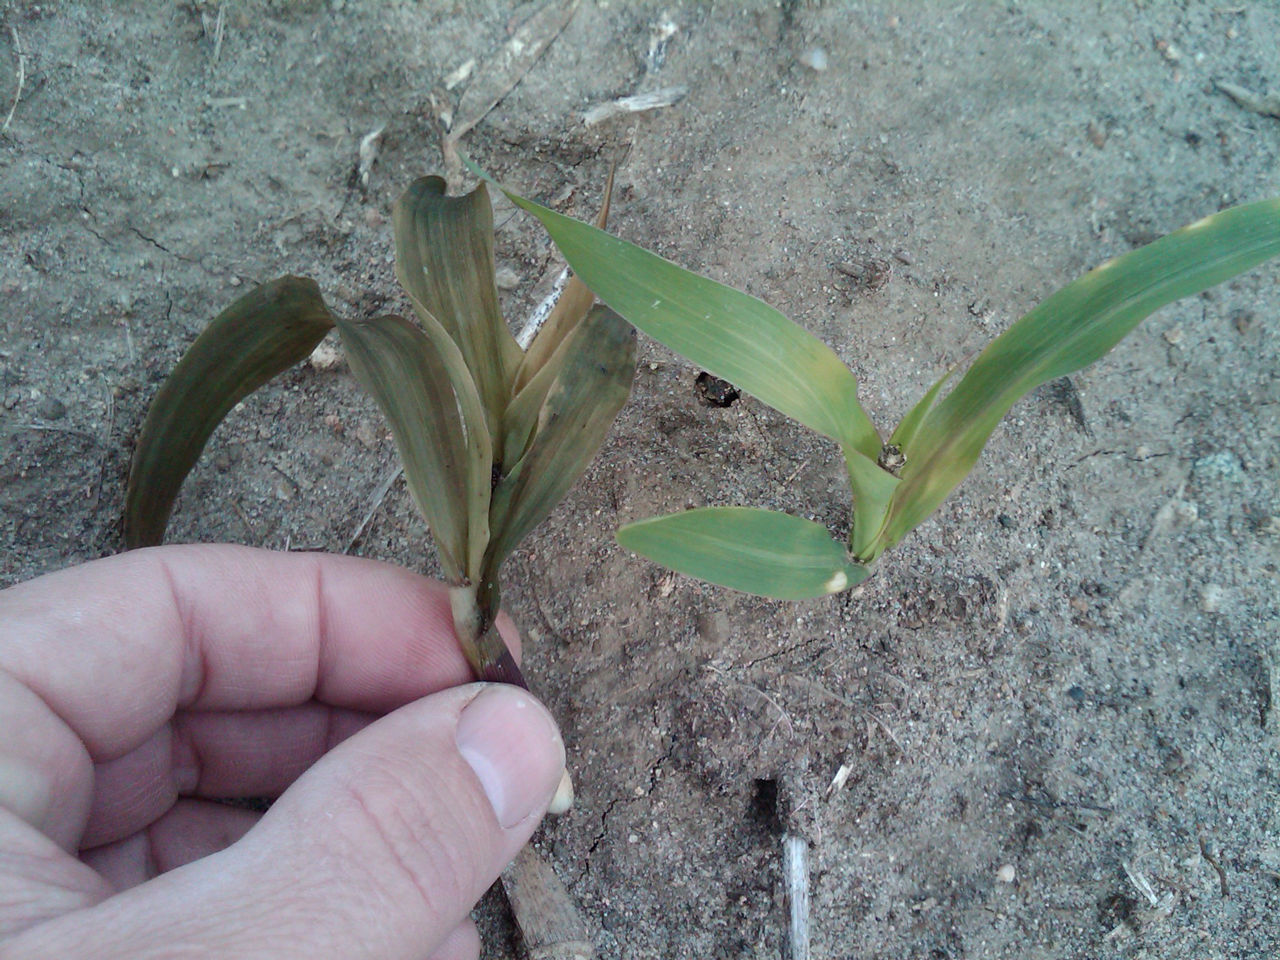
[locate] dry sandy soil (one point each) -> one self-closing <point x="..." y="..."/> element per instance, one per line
<point x="1064" y="679"/>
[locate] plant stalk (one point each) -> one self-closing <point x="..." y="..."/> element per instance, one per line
<point x="542" y="907"/>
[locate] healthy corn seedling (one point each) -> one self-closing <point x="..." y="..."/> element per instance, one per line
<point x="896" y="483"/>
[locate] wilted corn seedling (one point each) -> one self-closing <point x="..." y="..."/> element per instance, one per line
<point x="898" y="483"/>
<point x="491" y="436"/>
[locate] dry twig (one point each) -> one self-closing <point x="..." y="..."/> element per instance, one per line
<point x="1268" y="104"/>
<point x="22" y="76"/>
<point x="379" y="495"/>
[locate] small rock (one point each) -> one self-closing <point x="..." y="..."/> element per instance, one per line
<point x="1007" y="874"/>
<point x="1173" y="336"/>
<point x="50" y="408"/>
<point x="326" y="356"/>
<point x="1212" y="597"/>
<point x="815" y="58"/>
<point x="1097" y="134"/>
<point x="1167" y="50"/>
<point x="364" y="433"/>
<point x="506" y="278"/>
<point x="1223" y="465"/>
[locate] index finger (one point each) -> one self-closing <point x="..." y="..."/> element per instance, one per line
<point x="117" y="646"/>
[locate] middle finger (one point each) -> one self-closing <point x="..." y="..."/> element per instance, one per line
<point x="251" y="753"/>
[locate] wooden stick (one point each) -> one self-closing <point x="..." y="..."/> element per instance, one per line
<point x="795" y="872"/>
<point x="549" y="922"/>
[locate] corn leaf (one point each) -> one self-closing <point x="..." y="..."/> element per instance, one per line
<point x="262" y="334"/>
<point x="873" y="489"/>
<point x="404" y="372"/>
<point x="764" y="552"/>
<point x="520" y="421"/>
<point x="444" y="260"/>
<point x="729" y="333"/>
<point x="904" y="434"/>
<point x="579" y="408"/>
<point x="1068" y="331"/>
<point x="575" y="300"/>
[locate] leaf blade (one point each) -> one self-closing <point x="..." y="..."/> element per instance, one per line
<point x="260" y="335"/>
<point x="575" y="300"/>
<point x="404" y="372"/>
<point x="1075" y="326"/>
<point x="731" y="334"/>
<point x="762" y="552"/>
<point x="444" y="261"/>
<point x="580" y="407"/>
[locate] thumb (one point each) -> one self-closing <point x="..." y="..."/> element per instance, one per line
<point x="378" y="851"/>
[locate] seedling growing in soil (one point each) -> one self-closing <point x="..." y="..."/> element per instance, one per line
<point x="491" y="436"/>
<point x="897" y="483"/>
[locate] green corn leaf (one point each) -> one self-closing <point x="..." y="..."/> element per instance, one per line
<point x="764" y="552"/>
<point x="405" y="373"/>
<point x="904" y="434"/>
<point x="444" y="260"/>
<point x="873" y="489"/>
<point x="546" y="356"/>
<point x="263" y="333"/>
<point x="729" y="333"/>
<point x="579" y="408"/>
<point x="1068" y="331"/>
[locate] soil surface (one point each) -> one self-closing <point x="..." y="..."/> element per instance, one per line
<point x="1051" y="708"/>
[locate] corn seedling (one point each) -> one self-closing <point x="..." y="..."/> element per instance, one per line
<point x="896" y="484"/>
<point x="491" y="436"/>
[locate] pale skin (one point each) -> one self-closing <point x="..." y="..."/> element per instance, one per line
<point x="134" y="691"/>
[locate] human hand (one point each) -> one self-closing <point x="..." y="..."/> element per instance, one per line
<point x="134" y="688"/>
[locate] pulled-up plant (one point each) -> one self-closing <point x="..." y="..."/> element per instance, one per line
<point x="898" y="483"/>
<point x="491" y="436"/>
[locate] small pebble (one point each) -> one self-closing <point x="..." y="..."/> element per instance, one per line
<point x="506" y="278"/>
<point x="815" y="58"/>
<point x="1212" y="597"/>
<point x="1224" y="465"/>
<point x="1006" y="874"/>
<point x="326" y="356"/>
<point x="51" y="408"/>
<point x="364" y="433"/>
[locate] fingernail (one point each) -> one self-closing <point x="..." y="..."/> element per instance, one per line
<point x="514" y="747"/>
